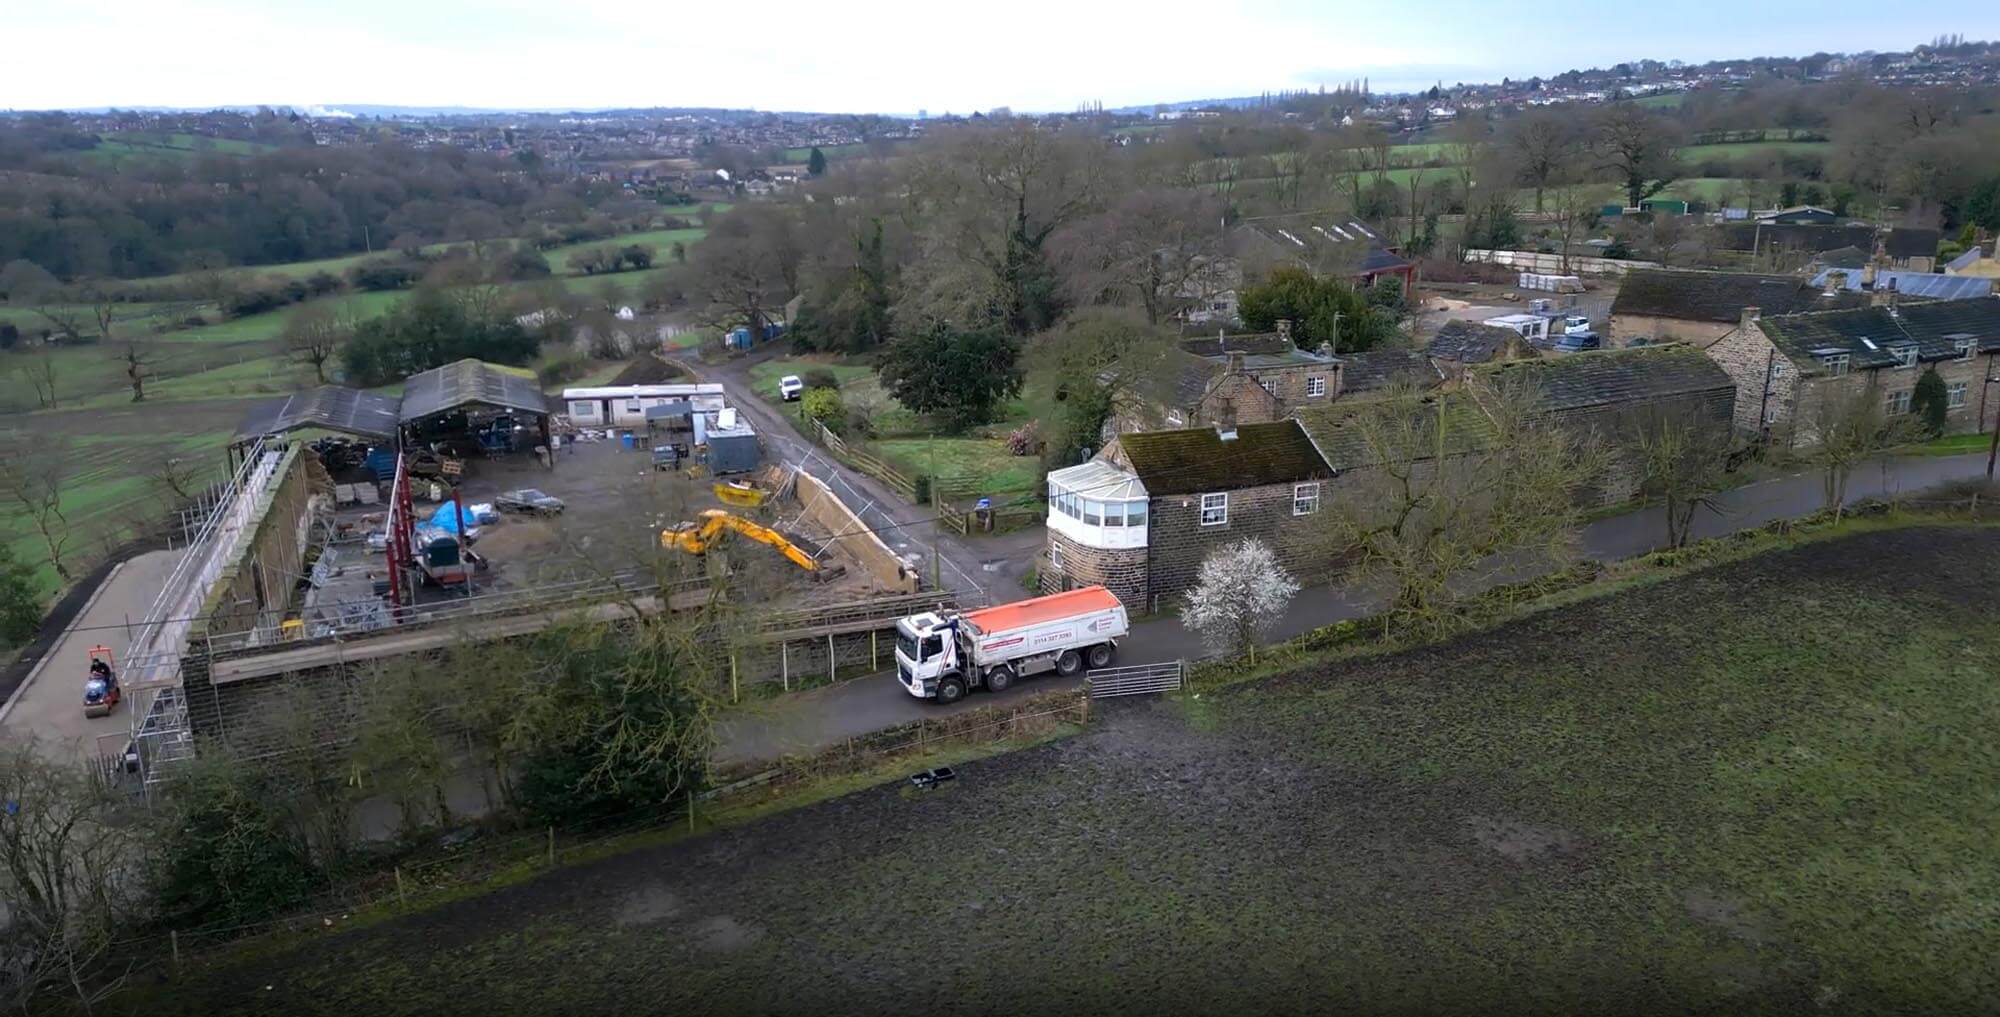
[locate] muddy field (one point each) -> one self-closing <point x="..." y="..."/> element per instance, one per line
<point x="1767" y="787"/>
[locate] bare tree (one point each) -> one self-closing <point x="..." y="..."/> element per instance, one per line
<point x="1152" y="247"/>
<point x="736" y="281"/>
<point x="138" y="361"/>
<point x="1638" y="147"/>
<point x="314" y="334"/>
<point x="1681" y="457"/>
<point x="63" y="852"/>
<point x="1454" y="491"/>
<point x="1577" y="205"/>
<point x="1543" y="143"/>
<point x="1848" y="425"/>
<point x="40" y="370"/>
<point x="33" y="473"/>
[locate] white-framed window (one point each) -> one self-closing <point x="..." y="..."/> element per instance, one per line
<point x="1135" y="513"/>
<point x="1269" y="385"/>
<point x="1770" y="415"/>
<point x="1093" y="512"/>
<point x="1898" y="402"/>
<point x="1836" y="364"/>
<point x="583" y="408"/>
<point x="1315" y="387"/>
<point x="633" y="406"/>
<point x="1954" y="395"/>
<point x="1114" y="513"/>
<point x="1964" y="348"/>
<point x="1906" y="356"/>
<point x="1214" y="509"/>
<point x="1176" y="418"/>
<point x="1777" y="368"/>
<point x="1055" y="557"/>
<point x="1305" y="498"/>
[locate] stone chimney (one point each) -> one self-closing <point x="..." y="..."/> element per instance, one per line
<point x="1836" y="280"/>
<point x="1285" y="329"/>
<point x="1868" y="276"/>
<point x="1750" y="316"/>
<point x="1326" y="350"/>
<point x="1885" y="296"/>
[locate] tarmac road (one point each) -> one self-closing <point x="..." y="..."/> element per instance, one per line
<point x="822" y="717"/>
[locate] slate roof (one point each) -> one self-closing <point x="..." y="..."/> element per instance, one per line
<point x="1869" y="335"/>
<point x="1844" y="257"/>
<point x="1470" y="342"/>
<point x="328" y="407"/>
<point x="1373" y="370"/>
<point x="1927" y="285"/>
<point x="1466" y="426"/>
<point x="1899" y="242"/>
<point x="1911" y="242"/>
<point x="1633" y="376"/>
<point x="1744" y="236"/>
<point x="468" y="382"/>
<point x="1715" y="296"/>
<point x="1263" y="343"/>
<point x="1197" y="459"/>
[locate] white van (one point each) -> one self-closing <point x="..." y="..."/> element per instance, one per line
<point x="790" y="388"/>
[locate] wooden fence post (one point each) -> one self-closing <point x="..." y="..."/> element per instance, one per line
<point x="401" y="899"/>
<point x="552" y="846"/>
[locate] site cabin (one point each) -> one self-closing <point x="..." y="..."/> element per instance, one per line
<point x="626" y="405"/>
<point x="1532" y="327"/>
<point x="944" y="656"/>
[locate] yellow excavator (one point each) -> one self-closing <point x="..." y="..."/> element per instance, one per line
<point x="697" y="538"/>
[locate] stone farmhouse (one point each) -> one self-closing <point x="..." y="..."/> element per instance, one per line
<point x="1140" y="518"/>
<point x="1783" y="366"/>
<point x="1657" y="305"/>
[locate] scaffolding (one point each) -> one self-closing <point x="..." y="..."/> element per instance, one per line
<point x="160" y="735"/>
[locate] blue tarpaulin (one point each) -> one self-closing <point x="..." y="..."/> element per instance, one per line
<point x="446" y="518"/>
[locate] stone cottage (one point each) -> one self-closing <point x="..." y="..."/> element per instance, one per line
<point x="1243" y="379"/>
<point x="1662" y="305"/>
<point x="1781" y="367"/>
<point x="1141" y="517"/>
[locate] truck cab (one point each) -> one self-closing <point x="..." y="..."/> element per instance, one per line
<point x="926" y="651"/>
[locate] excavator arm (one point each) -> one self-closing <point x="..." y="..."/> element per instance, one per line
<point x="697" y="538"/>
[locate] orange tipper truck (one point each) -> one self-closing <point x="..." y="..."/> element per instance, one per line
<point x="944" y="656"/>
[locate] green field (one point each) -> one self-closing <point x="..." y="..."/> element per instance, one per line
<point x="660" y="242"/>
<point x="1761" y="788"/>
<point x="136" y="146"/>
<point x="1746" y="149"/>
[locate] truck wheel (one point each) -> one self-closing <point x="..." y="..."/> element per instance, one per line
<point x="1069" y="663"/>
<point x="1100" y="655"/>
<point x="950" y="690"/>
<point x="998" y="679"/>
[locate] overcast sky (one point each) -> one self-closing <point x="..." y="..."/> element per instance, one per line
<point x="878" y="55"/>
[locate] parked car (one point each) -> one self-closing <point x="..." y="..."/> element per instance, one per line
<point x="791" y="388"/>
<point x="1577" y="342"/>
<point x="531" y="501"/>
<point x="1576" y="324"/>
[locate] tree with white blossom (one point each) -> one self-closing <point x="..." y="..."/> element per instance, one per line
<point x="1241" y="593"/>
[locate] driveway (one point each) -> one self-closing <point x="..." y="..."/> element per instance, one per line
<point x="828" y="716"/>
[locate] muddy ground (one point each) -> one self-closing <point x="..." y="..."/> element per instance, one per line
<point x="1766" y="787"/>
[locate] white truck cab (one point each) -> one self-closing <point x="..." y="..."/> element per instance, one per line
<point x="790" y="388"/>
<point x="943" y="656"/>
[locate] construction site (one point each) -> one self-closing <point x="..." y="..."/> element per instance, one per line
<point x="354" y="529"/>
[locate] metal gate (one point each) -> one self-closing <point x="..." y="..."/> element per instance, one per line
<point x="1139" y="679"/>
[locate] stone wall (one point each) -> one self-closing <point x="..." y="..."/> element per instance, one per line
<point x="1627" y="327"/>
<point x="1177" y="543"/>
<point x="1751" y="362"/>
<point x="1072" y="565"/>
<point x="255" y="590"/>
<point x="856" y="539"/>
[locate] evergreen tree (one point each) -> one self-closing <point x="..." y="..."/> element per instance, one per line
<point x="816" y="163"/>
<point x="960" y="376"/>
<point x="1928" y="402"/>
